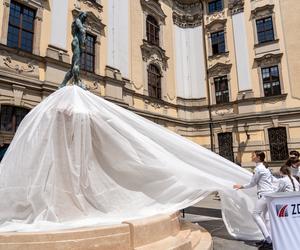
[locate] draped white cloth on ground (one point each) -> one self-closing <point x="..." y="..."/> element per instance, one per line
<point x="78" y="160"/>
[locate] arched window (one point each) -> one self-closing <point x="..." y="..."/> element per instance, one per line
<point x="152" y="30"/>
<point x="11" y="117"/>
<point x="154" y="81"/>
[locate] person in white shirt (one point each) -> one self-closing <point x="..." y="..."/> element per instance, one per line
<point x="262" y="179"/>
<point x="287" y="183"/>
<point x="293" y="163"/>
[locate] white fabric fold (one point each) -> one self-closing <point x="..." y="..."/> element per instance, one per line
<point x="78" y="160"/>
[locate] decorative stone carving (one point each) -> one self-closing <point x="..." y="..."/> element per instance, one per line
<point x="153" y="8"/>
<point x="94" y="4"/>
<point x="215" y="16"/>
<point x="154" y="104"/>
<point x="222" y="112"/>
<point x="95" y="85"/>
<point x="170" y="98"/>
<point x="215" y="25"/>
<point x="262" y="11"/>
<point x="93" y="23"/>
<point x="6" y="3"/>
<point x="219" y="69"/>
<point x="18" y="94"/>
<point x="154" y="54"/>
<point x="268" y="60"/>
<point x="18" y="67"/>
<point x="236" y="6"/>
<point x="275" y="121"/>
<point x="187" y="15"/>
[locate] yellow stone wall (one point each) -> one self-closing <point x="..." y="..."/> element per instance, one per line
<point x="190" y="118"/>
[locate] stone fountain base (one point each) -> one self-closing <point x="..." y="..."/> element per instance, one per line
<point x="164" y="232"/>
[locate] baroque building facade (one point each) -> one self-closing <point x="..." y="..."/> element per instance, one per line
<point x="222" y="73"/>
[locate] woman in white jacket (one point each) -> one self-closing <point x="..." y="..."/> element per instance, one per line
<point x="262" y="179"/>
<point x="287" y="183"/>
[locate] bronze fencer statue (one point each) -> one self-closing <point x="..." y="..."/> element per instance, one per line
<point x="78" y="45"/>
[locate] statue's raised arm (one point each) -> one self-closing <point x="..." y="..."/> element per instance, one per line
<point x="78" y="44"/>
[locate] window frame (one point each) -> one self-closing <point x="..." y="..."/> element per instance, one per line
<point x="83" y="65"/>
<point x="154" y="87"/>
<point x="13" y="119"/>
<point x="265" y="30"/>
<point x="153" y="36"/>
<point x="218" y="42"/>
<point x="224" y="96"/>
<point x="271" y="81"/>
<point x="215" y="8"/>
<point x="228" y="155"/>
<point x="21" y="28"/>
<point x="283" y="145"/>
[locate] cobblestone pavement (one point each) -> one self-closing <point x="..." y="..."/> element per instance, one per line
<point x="207" y="214"/>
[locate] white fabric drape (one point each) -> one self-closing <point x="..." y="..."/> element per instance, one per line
<point x="78" y="160"/>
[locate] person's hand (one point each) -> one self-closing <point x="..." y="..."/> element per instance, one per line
<point x="237" y="186"/>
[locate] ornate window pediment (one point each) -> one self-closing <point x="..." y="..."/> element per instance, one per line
<point x="236" y="6"/>
<point x="152" y="7"/>
<point x="219" y="69"/>
<point x="154" y="54"/>
<point x="94" y="4"/>
<point x="263" y="11"/>
<point x="218" y="24"/>
<point x="93" y="23"/>
<point x="268" y="60"/>
<point x="220" y="15"/>
<point x="187" y="15"/>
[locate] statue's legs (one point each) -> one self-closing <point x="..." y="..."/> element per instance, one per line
<point x="75" y="67"/>
<point x="67" y="78"/>
<point x="75" y="60"/>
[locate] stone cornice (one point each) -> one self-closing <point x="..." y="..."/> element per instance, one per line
<point x="34" y="3"/>
<point x="187" y="15"/>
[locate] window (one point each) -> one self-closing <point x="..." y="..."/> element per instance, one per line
<point x="152" y="30"/>
<point x="11" y="117"/>
<point x="218" y="42"/>
<point x="221" y="89"/>
<point x="154" y="81"/>
<point x="88" y="55"/>
<point x="271" y="82"/>
<point x="20" y="27"/>
<point x="226" y="146"/>
<point x="278" y="144"/>
<point x="214" y="6"/>
<point x="265" y="32"/>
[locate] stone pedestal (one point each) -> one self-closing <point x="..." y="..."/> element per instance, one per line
<point x="158" y="232"/>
